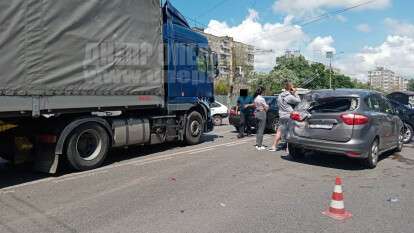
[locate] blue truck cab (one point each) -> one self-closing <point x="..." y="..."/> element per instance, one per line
<point x="190" y="64"/>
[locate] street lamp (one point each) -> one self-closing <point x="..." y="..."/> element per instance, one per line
<point x="330" y="55"/>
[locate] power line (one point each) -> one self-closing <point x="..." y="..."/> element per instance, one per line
<point x="325" y="16"/>
<point x="329" y="14"/>
<point x="212" y="8"/>
<point x="303" y="24"/>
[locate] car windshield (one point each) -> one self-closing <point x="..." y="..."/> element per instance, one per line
<point x="271" y="101"/>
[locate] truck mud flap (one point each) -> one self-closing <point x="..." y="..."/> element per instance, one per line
<point x="47" y="160"/>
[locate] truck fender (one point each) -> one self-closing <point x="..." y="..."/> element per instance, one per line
<point x="76" y="123"/>
<point x="206" y="109"/>
<point x="205" y="106"/>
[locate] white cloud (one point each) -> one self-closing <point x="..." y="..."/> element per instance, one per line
<point x="321" y="45"/>
<point x="342" y="18"/>
<point x="364" y="28"/>
<point x="277" y="37"/>
<point x="301" y="8"/>
<point x="399" y="28"/>
<point x="396" y="53"/>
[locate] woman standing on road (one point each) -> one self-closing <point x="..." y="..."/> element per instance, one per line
<point x="261" y="112"/>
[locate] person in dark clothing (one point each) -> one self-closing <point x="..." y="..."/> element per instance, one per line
<point x="245" y="106"/>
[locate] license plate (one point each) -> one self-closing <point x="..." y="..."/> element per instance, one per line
<point x="315" y="126"/>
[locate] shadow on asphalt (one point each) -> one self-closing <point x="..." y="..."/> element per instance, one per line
<point x="11" y="175"/>
<point x="333" y="161"/>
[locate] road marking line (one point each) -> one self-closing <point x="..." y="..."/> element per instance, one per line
<point x="237" y="144"/>
<point x="201" y="151"/>
<point x="60" y="180"/>
<point x="7" y="192"/>
<point x="152" y="161"/>
<point x="27" y="184"/>
<point x="123" y="164"/>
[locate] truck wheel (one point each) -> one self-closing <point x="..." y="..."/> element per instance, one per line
<point x="194" y="128"/>
<point x="295" y="153"/>
<point x="87" y="147"/>
<point x="218" y="120"/>
<point x="373" y="155"/>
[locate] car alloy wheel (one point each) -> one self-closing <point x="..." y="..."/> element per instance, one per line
<point x="408" y="134"/>
<point x="374" y="153"/>
<point x="400" y="141"/>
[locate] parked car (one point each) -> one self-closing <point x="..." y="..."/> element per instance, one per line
<point x="272" y="116"/>
<point x="219" y="112"/>
<point x="407" y="116"/>
<point x="356" y="123"/>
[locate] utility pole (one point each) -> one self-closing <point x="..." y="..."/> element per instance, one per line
<point x="330" y="55"/>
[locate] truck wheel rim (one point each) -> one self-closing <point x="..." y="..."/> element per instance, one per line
<point x="195" y="128"/>
<point x="89" y="145"/>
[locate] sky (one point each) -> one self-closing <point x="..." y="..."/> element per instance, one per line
<point x="377" y="33"/>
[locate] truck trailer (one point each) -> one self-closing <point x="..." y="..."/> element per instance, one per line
<point x="78" y="78"/>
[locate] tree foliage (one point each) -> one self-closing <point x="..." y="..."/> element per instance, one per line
<point x="222" y="87"/>
<point x="303" y="74"/>
<point x="411" y="85"/>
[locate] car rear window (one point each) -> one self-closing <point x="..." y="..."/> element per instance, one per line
<point x="329" y="105"/>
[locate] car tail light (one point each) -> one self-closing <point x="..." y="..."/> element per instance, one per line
<point x="353" y="154"/>
<point x="296" y="116"/>
<point x="354" y="119"/>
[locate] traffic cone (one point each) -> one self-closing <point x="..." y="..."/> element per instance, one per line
<point x="337" y="208"/>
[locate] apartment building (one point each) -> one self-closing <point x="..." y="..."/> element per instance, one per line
<point x="387" y="80"/>
<point x="236" y="59"/>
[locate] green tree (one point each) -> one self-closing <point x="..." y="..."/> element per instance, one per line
<point x="411" y="85"/>
<point x="222" y="87"/>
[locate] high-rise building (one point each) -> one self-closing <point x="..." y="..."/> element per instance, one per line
<point x="236" y="59"/>
<point x="387" y="80"/>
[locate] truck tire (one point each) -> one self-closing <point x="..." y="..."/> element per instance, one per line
<point x="87" y="147"/>
<point x="194" y="128"/>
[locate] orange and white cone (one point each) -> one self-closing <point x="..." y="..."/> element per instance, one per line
<point x="337" y="208"/>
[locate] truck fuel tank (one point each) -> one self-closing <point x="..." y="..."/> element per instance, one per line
<point x="131" y="131"/>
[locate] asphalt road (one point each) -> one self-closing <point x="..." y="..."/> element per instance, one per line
<point x="222" y="185"/>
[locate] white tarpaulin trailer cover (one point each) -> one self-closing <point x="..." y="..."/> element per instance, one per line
<point x="81" y="48"/>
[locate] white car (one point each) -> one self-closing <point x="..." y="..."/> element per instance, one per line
<point x="218" y="112"/>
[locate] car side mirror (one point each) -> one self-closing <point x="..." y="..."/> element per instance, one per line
<point x="216" y="64"/>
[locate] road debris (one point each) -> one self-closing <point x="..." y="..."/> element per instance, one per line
<point x="393" y="200"/>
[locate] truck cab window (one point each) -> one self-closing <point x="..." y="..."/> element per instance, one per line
<point x="202" y="62"/>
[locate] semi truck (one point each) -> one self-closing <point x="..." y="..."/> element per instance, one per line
<point x="78" y="78"/>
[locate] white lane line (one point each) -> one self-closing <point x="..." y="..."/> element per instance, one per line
<point x="131" y="163"/>
<point x="26" y="184"/>
<point x="236" y="144"/>
<point x="152" y="161"/>
<point x="7" y="192"/>
<point x="60" y="180"/>
<point x="201" y="151"/>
